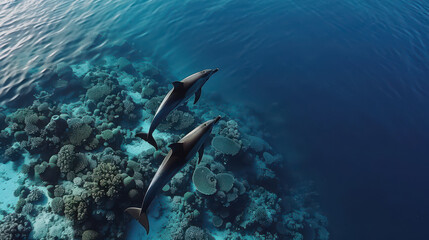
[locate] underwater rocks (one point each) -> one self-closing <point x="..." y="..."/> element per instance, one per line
<point x="64" y="71"/>
<point x="126" y="66"/>
<point x="47" y="172"/>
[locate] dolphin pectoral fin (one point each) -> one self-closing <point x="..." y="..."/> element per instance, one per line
<point x="177" y="148"/>
<point x="140" y="216"/>
<point x="200" y="154"/>
<point x="197" y="95"/>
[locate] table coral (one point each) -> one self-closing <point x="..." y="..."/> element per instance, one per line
<point x="204" y="180"/>
<point x="226" y="145"/>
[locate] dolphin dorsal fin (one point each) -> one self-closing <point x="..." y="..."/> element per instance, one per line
<point x="197" y="95"/>
<point x="176" y="147"/>
<point x="177" y="85"/>
<point x="200" y="153"/>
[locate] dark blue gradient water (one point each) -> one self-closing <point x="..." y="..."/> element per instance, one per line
<point x="343" y="83"/>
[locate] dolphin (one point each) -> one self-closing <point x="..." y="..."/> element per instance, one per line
<point x="180" y="153"/>
<point x="181" y="92"/>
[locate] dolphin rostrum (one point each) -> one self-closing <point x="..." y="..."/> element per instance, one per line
<point x="181" y="92"/>
<point x="180" y="153"/>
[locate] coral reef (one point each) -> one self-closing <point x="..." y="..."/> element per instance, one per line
<point x="15" y="227"/>
<point x="80" y="166"/>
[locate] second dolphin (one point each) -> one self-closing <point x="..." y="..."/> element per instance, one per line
<point x="180" y="153"/>
<point x="180" y="93"/>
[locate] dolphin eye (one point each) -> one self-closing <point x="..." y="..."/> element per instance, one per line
<point x="203" y="72"/>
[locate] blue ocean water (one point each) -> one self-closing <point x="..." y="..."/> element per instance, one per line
<point x="341" y="86"/>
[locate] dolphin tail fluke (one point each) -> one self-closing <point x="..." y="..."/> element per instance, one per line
<point x="140" y="216"/>
<point x="148" y="138"/>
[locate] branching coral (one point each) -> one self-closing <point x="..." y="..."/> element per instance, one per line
<point x="75" y="208"/>
<point x="66" y="158"/>
<point x="116" y="107"/>
<point x="106" y="182"/>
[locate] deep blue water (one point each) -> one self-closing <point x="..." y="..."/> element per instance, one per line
<point x="343" y="83"/>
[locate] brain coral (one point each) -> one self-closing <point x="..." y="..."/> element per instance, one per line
<point x="106" y="182"/>
<point x="204" y="180"/>
<point x="226" y="145"/>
